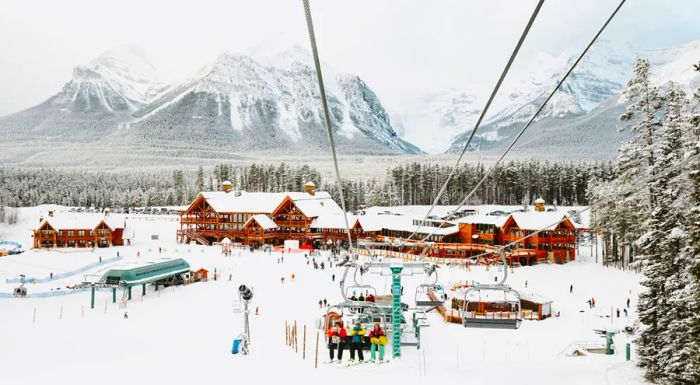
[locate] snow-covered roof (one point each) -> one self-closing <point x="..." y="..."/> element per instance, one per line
<point x="494" y="220"/>
<point x="226" y="241"/>
<point x="314" y="205"/>
<point x="333" y="221"/>
<point x="83" y="221"/>
<point x="532" y="297"/>
<point x="263" y="220"/>
<point x="537" y="221"/>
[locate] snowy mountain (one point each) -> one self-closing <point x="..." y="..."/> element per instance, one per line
<point x="237" y="104"/>
<point x="93" y="103"/>
<point x="269" y="103"/>
<point x="599" y="79"/>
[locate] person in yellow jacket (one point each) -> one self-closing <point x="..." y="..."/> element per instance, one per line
<point x="357" y="333"/>
<point x="378" y="339"/>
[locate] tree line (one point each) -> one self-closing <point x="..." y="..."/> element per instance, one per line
<point x="654" y="226"/>
<point x="515" y="182"/>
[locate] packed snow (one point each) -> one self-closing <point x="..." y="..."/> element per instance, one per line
<point x="183" y="334"/>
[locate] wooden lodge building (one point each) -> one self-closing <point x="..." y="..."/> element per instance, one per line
<point x="80" y="230"/>
<point x="314" y="219"/>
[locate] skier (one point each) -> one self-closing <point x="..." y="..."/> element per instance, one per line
<point x="625" y="311"/>
<point x="593" y="302"/>
<point x="282" y="280"/>
<point x="571" y="289"/>
<point x="618" y="312"/>
<point x="357" y="333"/>
<point x="526" y="283"/>
<point x="333" y="278"/>
<point x="378" y="339"/>
<point x="51" y="275"/>
<point x="293" y="276"/>
<point x="101" y="262"/>
<point x="336" y="340"/>
<point x="628" y="302"/>
<point x="320" y="304"/>
<point x="325" y="302"/>
<point x="126" y="315"/>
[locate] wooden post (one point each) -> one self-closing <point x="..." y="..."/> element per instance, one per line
<point x="286" y="333"/>
<point x="296" y="340"/>
<point x="60" y="314"/>
<point x="34" y="317"/>
<point x="82" y="311"/>
<point x="316" y="360"/>
<point x="105" y="306"/>
<point x="303" y="349"/>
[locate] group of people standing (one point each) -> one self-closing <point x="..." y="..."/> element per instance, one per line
<point x="339" y="339"/>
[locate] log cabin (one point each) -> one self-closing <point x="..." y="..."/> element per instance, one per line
<point x="79" y="230"/>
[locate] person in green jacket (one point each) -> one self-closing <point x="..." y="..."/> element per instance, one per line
<point x="356" y="334"/>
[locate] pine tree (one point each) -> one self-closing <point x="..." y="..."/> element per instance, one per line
<point x="199" y="183"/>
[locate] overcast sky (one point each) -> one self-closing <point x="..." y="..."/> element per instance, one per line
<point x="402" y="48"/>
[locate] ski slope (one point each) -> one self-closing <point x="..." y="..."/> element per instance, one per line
<point x="182" y="335"/>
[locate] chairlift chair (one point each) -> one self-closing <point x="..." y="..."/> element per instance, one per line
<point x="422" y="295"/>
<point x="509" y="301"/>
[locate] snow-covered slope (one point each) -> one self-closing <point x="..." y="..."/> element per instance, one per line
<point x="269" y="103"/>
<point x="237" y="103"/>
<point x="98" y="97"/>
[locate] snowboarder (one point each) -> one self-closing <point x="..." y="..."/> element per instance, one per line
<point x="357" y="333"/>
<point x="378" y="339"/>
<point x="336" y="340"/>
<point x="571" y="289"/>
<point x="126" y="315"/>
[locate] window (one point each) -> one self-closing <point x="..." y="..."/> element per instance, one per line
<point x="81" y="233"/>
<point x="70" y="233"/>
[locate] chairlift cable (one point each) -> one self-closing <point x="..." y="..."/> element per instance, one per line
<point x="326" y="114"/>
<point x="534" y="116"/>
<point x="513" y="55"/>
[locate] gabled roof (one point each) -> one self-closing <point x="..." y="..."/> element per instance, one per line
<point x="537" y="221"/>
<point x="315" y="205"/>
<point x="263" y="220"/>
<point x="75" y="221"/>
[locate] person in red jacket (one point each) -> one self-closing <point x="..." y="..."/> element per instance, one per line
<point x="336" y="340"/>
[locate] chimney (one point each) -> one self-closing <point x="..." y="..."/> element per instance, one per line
<point x="226" y="186"/>
<point x="50" y="213"/>
<point x="107" y="212"/>
<point x="310" y="188"/>
<point x="539" y="205"/>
